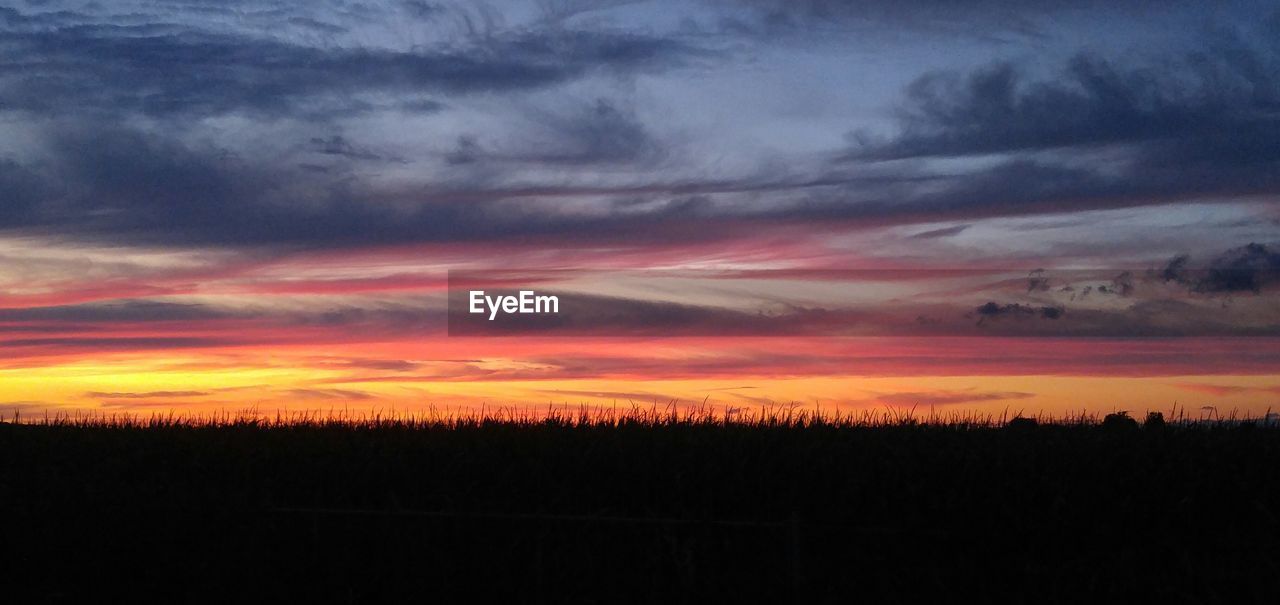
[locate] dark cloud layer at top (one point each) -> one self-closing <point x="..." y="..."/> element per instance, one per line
<point x="161" y="69"/>
<point x="128" y="143"/>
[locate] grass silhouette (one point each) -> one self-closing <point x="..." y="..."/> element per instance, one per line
<point x="643" y="505"/>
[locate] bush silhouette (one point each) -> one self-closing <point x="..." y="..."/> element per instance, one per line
<point x="1119" y="421"/>
<point x="1155" y="420"/>
<point x="1023" y="423"/>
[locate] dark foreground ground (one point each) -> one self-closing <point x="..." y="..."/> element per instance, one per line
<point x="639" y="513"/>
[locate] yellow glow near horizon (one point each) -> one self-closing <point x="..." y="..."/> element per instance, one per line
<point x="181" y="384"/>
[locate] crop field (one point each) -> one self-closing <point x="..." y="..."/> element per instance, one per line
<point x="640" y="507"/>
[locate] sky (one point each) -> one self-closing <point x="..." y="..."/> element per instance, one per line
<point x="986" y="206"/>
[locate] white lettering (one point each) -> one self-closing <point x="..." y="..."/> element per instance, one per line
<point x="528" y="301"/>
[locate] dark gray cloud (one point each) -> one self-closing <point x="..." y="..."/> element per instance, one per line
<point x="53" y="65"/>
<point x="111" y="183"/>
<point x="1121" y="285"/>
<point x="999" y="109"/>
<point x="1153" y="317"/>
<point x="993" y="310"/>
<point x="422" y="9"/>
<point x="467" y="151"/>
<point x="1216" y="104"/>
<point x="989" y="20"/>
<point x="941" y="232"/>
<point x="42" y="328"/>
<point x="338" y="145"/>
<point x="1247" y="269"/>
<point x="122" y="148"/>
<point x="1244" y="269"/>
<point x="1016" y="187"/>
<point x="1100" y="134"/>
<point x="1037" y="281"/>
<point x="248" y="323"/>
<point x="600" y="133"/>
<point x="393" y="365"/>
<point x="114" y="311"/>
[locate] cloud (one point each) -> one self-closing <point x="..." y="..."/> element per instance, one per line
<point x="941" y="232"/>
<point x="130" y="145"/>
<point x="1229" y="88"/>
<point x="45" y="328"/>
<point x="905" y="357"/>
<point x="391" y="365"/>
<point x="328" y="394"/>
<point x="11" y="410"/>
<point x="992" y="310"/>
<point x="146" y="395"/>
<point x="1244" y="269"/>
<point x="467" y="151"/>
<point x="627" y="396"/>
<point x="1176" y="269"/>
<point x="140" y="186"/>
<point x="422" y="9"/>
<point x="62" y="67"/>
<point x="1222" y="390"/>
<point x="122" y="343"/>
<point x="1037" y="281"/>
<point x="143" y="187"/>
<point x="599" y="133"/>
<point x="1098" y="134"/>
<point x="990" y="20"/>
<point x="1121" y="285"/>
<point x="115" y="311"/>
<point x="929" y="398"/>
<point x="339" y="145"/>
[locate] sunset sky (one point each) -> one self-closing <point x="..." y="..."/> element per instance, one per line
<point x="958" y="206"/>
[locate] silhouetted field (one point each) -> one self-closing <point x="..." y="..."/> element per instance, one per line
<point x="648" y="509"/>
